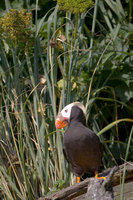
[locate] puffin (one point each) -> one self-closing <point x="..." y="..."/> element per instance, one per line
<point x="81" y="146"/>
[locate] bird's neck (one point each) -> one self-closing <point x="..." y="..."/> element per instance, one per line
<point x="78" y="121"/>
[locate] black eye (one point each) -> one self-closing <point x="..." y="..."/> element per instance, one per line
<point x="66" y="111"/>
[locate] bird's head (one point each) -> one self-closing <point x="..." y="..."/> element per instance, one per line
<point x="64" y="116"/>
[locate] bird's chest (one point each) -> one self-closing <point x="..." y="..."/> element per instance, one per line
<point x="71" y="144"/>
<point x="77" y="144"/>
<point x="72" y="138"/>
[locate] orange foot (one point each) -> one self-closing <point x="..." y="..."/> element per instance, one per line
<point x="96" y="176"/>
<point x="78" y="179"/>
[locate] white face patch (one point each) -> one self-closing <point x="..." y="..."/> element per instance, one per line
<point x="66" y="112"/>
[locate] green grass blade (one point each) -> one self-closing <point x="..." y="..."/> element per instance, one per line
<point x="113" y="124"/>
<point x="124" y="169"/>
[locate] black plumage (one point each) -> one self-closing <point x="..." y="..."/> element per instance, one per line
<point x="82" y="147"/>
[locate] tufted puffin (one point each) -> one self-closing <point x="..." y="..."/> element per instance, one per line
<point x="81" y="146"/>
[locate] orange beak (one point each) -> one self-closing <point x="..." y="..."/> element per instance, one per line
<point x="61" y="121"/>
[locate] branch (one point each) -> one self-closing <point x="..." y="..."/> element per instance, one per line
<point x="113" y="178"/>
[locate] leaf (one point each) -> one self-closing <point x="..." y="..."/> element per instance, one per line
<point x="106" y="128"/>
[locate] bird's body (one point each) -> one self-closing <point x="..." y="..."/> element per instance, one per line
<point x="82" y="147"/>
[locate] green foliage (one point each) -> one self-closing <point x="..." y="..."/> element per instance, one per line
<point x="58" y="185"/>
<point x="75" y="6"/>
<point x="15" y="29"/>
